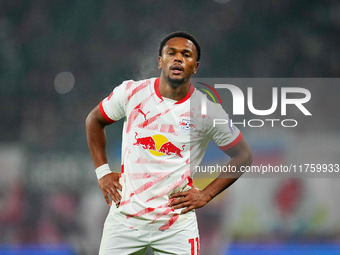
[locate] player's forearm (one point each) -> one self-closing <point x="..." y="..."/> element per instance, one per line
<point x="96" y="139"/>
<point x="224" y="180"/>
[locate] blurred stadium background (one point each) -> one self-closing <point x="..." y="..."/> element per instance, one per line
<point x="58" y="59"/>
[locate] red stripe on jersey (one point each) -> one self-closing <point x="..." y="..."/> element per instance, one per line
<point x="137" y="176"/>
<point x="152" y="127"/>
<point x="121" y="170"/>
<point x="152" y="119"/>
<point x="151" y="183"/>
<point x="139" y="88"/>
<point x="128" y="85"/>
<point x="172" y="186"/>
<point x="186" y="114"/>
<point x="134" y="113"/>
<point x="189" y="182"/>
<point x="232" y="144"/>
<point x="169" y="223"/>
<point x="166" y="128"/>
<point x="142" y="212"/>
<point x="142" y="160"/>
<point x="145" y="187"/>
<point x="104" y="114"/>
<point x="157" y="88"/>
<point x="165" y="212"/>
<point x="109" y="97"/>
<point x="124" y="202"/>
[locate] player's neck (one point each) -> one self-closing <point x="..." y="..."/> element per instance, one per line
<point x="174" y="93"/>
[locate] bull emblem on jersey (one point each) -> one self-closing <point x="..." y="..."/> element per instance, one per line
<point x="147" y="143"/>
<point x="169" y="148"/>
<point x="159" y="144"/>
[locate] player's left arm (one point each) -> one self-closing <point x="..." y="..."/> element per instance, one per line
<point x="240" y="155"/>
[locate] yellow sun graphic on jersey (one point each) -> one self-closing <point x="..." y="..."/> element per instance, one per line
<point x="159" y="141"/>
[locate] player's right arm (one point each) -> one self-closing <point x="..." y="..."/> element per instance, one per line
<point x="96" y="139"/>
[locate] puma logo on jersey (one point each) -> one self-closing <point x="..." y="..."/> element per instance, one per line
<point x="144" y="114"/>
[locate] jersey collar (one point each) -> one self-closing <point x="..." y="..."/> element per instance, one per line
<point x="191" y="90"/>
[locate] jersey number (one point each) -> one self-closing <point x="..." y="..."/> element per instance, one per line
<point x="192" y="243"/>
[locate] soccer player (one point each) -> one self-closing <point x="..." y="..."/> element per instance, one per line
<point x="165" y="135"/>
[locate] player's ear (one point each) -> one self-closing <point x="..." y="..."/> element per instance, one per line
<point x="160" y="61"/>
<point x="195" y="67"/>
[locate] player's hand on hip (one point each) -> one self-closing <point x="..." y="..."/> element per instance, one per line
<point x="109" y="185"/>
<point x="191" y="199"/>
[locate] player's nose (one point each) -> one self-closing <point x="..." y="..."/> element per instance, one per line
<point x="178" y="57"/>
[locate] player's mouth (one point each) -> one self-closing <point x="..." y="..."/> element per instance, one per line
<point x="176" y="69"/>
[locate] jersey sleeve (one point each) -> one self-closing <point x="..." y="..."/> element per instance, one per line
<point x="222" y="131"/>
<point x="113" y="106"/>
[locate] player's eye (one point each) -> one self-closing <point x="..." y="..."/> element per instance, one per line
<point x="187" y="55"/>
<point x="171" y="53"/>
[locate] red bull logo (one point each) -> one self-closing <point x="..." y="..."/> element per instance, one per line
<point x="145" y="142"/>
<point x="158" y="145"/>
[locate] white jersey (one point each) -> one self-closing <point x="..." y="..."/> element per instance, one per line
<point x="163" y="141"/>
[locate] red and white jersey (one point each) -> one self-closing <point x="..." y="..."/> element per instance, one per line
<point x="163" y="141"/>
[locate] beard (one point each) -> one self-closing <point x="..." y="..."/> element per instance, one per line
<point x="175" y="83"/>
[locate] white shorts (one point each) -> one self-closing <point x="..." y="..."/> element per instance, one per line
<point x="118" y="239"/>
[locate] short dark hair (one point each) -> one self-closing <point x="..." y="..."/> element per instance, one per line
<point x="181" y="34"/>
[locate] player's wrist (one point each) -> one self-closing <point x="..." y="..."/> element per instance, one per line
<point x="102" y="171"/>
<point x="207" y="194"/>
